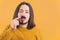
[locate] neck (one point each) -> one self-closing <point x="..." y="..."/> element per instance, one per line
<point x="25" y="25"/>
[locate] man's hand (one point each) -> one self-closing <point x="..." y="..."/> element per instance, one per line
<point x="14" y="23"/>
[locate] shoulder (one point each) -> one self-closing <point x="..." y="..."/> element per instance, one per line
<point x="36" y="30"/>
<point x="38" y="33"/>
<point x="6" y="31"/>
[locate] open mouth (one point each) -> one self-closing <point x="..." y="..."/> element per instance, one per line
<point x="22" y="18"/>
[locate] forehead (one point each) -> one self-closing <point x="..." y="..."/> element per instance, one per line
<point x="24" y="7"/>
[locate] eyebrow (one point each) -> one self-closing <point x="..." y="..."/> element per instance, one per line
<point x="20" y="9"/>
<point x="26" y="10"/>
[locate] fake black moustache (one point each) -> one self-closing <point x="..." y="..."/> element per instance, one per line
<point x="23" y="17"/>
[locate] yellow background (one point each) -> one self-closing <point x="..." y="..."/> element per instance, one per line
<point x="47" y="16"/>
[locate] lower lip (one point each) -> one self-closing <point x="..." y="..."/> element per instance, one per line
<point x="22" y="19"/>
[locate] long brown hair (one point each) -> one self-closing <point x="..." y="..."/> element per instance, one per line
<point x="31" y="23"/>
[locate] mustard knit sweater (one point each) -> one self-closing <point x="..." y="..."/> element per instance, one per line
<point x="21" y="34"/>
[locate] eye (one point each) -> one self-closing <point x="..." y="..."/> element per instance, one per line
<point x="26" y="12"/>
<point x="20" y="11"/>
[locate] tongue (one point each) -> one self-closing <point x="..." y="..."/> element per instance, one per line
<point x="22" y="19"/>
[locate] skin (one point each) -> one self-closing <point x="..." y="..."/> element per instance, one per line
<point x="23" y="11"/>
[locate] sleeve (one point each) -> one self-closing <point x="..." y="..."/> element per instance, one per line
<point x="5" y="35"/>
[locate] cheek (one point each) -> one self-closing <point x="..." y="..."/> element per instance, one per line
<point x="27" y="17"/>
<point x="19" y="15"/>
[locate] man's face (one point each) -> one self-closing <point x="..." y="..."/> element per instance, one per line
<point x="24" y="14"/>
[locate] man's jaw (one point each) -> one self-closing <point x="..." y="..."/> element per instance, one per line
<point x="22" y="23"/>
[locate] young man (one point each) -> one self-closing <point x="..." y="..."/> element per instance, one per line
<point x="22" y="26"/>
